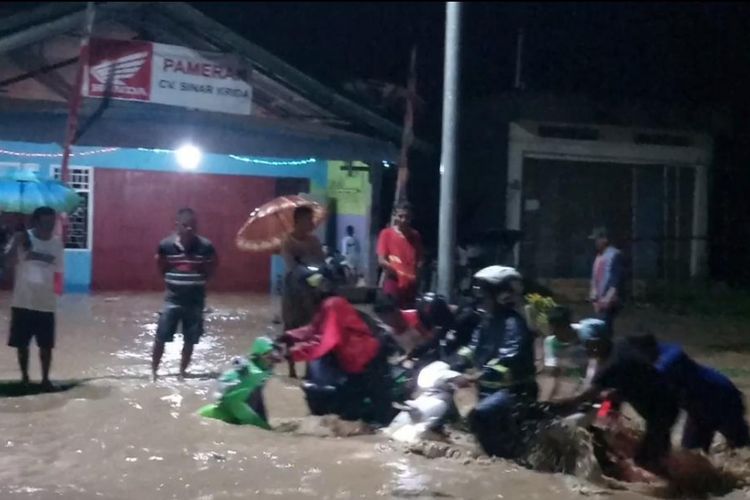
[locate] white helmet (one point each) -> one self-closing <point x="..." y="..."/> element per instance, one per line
<point x="503" y="281"/>
<point x="497" y="275"/>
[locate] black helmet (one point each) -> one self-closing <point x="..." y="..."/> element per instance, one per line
<point x="434" y="311"/>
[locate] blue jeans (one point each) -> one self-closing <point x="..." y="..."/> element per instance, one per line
<point x="496" y="421"/>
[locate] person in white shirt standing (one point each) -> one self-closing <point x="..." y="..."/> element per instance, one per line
<point x="351" y="250"/>
<point x="37" y="256"/>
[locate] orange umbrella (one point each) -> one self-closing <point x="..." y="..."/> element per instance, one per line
<point x="270" y="223"/>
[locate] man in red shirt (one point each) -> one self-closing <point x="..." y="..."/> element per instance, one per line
<point x="400" y="255"/>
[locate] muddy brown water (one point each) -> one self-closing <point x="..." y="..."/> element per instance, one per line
<point x="118" y="436"/>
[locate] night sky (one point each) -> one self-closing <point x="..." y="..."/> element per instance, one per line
<point x="676" y="52"/>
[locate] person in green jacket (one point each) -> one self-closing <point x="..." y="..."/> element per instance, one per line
<point x="240" y="394"/>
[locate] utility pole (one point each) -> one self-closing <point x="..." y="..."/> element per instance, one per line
<point x="518" y="84"/>
<point x="74" y="102"/>
<point x="448" y="156"/>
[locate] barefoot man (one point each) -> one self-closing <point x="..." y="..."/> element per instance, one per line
<point x="38" y="259"/>
<point x="187" y="261"/>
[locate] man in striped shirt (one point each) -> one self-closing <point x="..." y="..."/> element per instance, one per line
<point x="187" y="261"/>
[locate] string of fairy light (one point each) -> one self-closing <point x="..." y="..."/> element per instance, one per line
<point x="244" y="159"/>
<point x="26" y="154"/>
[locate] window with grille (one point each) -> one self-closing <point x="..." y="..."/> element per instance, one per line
<point x="78" y="234"/>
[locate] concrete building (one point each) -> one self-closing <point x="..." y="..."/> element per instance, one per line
<point x="291" y="135"/>
<point x="557" y="167"/>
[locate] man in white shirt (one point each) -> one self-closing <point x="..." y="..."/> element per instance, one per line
<point x="38" y="259"/>
<point x="350" y="249"/>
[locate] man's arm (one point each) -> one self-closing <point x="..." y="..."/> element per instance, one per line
<point x="590" y="394"/>
<point x="58" y="276"/>
<point x="11" y="252"/>
<point x="383" y="253"/>
<point x="592" y="290"/>
<point x="464" y="358"/>
<point x="316" y="339"/>
<point x="161" y="263"/>
<point x="211" y="264"/>
<point x="387" y="267"/>
<point x="613" y="283"/>
<point x="510" y="352"/>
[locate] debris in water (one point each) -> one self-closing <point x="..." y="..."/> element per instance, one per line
<point x="325" y="426"/>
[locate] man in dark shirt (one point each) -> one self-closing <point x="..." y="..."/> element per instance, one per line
<point x="639" y="383"/>
<point x="712" y="402"/>
<point x="187" y="261"/>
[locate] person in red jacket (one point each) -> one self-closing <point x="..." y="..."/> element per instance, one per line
<point x="348" y="373"/>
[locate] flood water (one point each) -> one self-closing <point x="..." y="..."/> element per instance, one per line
<point x="117" y="435"/>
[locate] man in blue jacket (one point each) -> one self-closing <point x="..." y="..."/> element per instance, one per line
<point x="606" y="278"/>
<point x="502" y="351"/>
<point x="712" y="402"/>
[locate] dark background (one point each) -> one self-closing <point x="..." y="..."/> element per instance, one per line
<point x="681" y="54"/>
<point x="678" y="53"/>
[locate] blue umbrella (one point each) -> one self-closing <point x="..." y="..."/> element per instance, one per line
<point x="23" y="192"/>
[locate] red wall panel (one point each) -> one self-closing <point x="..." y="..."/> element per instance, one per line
<point x="134" y="210"/>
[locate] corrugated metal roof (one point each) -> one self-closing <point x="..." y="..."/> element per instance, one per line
<point x="280" y="91"/>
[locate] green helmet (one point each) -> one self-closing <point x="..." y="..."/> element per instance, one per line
<point x="261" y="346"/>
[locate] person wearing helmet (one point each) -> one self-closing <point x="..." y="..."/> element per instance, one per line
<point x="502" y="351"/>
<point x="573" y="351"/>
<point x="240" y="394"/>
<point x="344" y="353"/>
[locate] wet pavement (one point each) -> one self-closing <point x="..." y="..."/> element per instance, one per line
<point x="117" y="435"/>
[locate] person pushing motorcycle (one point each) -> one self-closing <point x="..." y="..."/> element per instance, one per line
<point x="502" y="351"/>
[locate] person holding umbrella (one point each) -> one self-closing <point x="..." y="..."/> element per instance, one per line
<point x="37" y="256"/>
<point x="286" y="224"/>
<point x="301" y="246"/>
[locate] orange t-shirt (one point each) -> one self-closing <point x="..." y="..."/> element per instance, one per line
<point x="403" y="251"/>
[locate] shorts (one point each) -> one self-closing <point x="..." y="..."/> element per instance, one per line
<point x="26" y="324"/>
<point x="190" y="317"/>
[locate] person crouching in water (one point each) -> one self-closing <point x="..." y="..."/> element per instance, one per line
<point x="634" y="380"/>
<point x="240" y="398"/>
<point x="574" y="351"/>
<point x="348" y="372"/>
<point x="712" y="402"/>
<point x="502" y="350"/>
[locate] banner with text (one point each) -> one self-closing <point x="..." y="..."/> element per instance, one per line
<point x="168" y="74"/>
